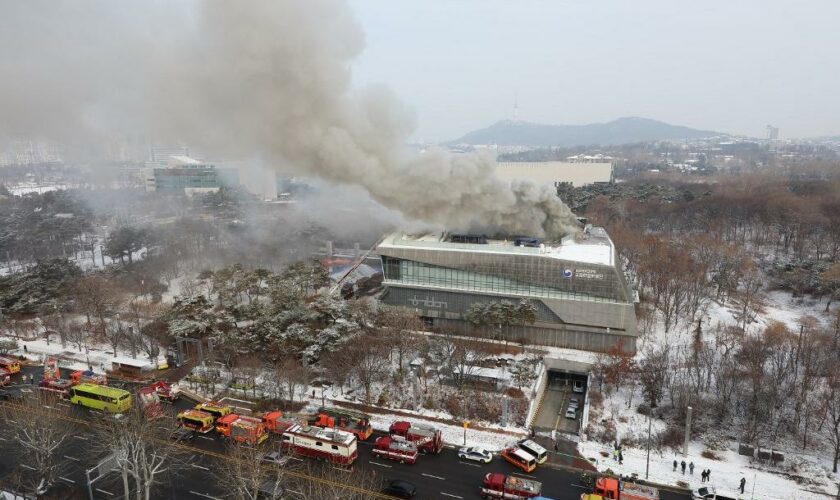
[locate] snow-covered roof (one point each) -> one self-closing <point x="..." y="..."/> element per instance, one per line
<point x="124" y="360"/>
<point x="592" y="247"/>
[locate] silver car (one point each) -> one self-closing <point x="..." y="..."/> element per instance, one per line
<point x="476" y="454"/>
<point x="571" y="413"/>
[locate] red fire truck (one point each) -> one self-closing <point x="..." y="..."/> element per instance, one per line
<point x="242" y="429"/>
<point x="617" y="489"/>
<point x="275" y="421"/>
<point x="427" y="438"/>
<point x="166" y="392"/>
<point x="87" y="377"/>
<point x="351" y="421"/>
<point x="395" y="448"/>
<point x="149" y="403"/>
<point x="57" y="386"/>
<point x="497" y="485"/>
<point x="332" y="445"/>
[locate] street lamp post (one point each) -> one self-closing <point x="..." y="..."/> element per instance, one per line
<point x="647" y="464"/>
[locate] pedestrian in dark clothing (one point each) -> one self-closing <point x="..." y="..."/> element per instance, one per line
<point x="675" y="465"/>
<point x="691" y="468"/>
<point x="620" y="457"/>
<point x="682" y="464"/>
<point x="25" y="349"/>
<point x="743" y="483"/>
<point x="708" y="474"/>
<point x="556" y="447"/>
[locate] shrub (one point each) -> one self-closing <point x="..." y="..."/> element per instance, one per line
<point x="7" y="345"/>
<point x="711" y="455"/>
<point x="715" y="442"/>
<point x="606" y="433"/>
<point x="672" y="437"/>
<point x="643" y="409"/>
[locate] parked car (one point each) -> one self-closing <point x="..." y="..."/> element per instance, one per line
<point x="709" y="493"/>
<point x="574" y="402"/>
<point x="400" y="488"/>
<point x="476" y="454"/>
<point x="577" y="386"/>
<point x="276" y="458"/>
<point x="571" y="413"/>
<point x="182" y="435"/>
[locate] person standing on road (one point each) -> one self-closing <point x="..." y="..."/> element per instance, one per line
<point x="620" y="458"/>
<point x="682" y="464"/>
<point x="691" y="468"/>
<point x="675" y="466"/>
<point x="743" y="483"/>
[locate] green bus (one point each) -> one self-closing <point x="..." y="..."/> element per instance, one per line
<point x="101" y="397"/>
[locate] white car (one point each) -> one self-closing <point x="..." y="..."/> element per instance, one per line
<point x="276" y="458"/>
<point x="571" y="413"/>
<point x="476" y="454"/>
<point x="709" y="493"/>
<point x="574" y="402"/>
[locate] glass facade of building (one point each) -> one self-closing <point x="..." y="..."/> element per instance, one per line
<point x="405" y="272"/>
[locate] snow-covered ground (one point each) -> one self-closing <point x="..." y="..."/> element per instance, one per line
<point x="802" y="475"/>
<point x="97" y="356"/>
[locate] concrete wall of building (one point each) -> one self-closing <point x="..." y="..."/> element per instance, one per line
<point x="594" y="326"/>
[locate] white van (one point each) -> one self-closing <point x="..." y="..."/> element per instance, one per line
<point x="537" y="451"/>
<point x="577" y="386"/>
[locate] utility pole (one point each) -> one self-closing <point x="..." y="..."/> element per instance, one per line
<point x="687" y="432"/>
<point x="650" y="423"/>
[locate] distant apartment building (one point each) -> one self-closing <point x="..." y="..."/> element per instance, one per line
<point x="553" y="173"/>
<point x="183" y="175"/>
<point x="772" y="133"/>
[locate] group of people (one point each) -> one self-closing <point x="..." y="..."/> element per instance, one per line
<point x="704" y="476"/>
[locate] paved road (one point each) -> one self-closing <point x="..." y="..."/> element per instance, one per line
<point x="436" y="476"/>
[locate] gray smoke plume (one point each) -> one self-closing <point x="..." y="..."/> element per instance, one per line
<point x="271" y="78"/>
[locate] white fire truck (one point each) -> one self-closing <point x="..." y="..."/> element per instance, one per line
<point x="332" y="445"/>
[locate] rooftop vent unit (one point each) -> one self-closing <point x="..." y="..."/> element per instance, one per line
<point x="474" y="239"/>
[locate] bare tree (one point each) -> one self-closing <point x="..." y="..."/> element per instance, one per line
<point x="39" y="429"/>
<point x="367" y="356"/>
<point x="244" y="476"/>
<point x="831" y="396"/>
<point x="142" y="459"/>
<point x="398" y="326"/>
<point x="326" y="482"/>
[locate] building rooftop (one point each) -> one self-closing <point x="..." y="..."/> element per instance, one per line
<point x="591" y="246"/>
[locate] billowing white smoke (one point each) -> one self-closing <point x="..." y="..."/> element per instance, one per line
<point x="271" y="78"/>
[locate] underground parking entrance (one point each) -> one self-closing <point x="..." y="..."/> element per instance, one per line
<point x="564" y="407"/>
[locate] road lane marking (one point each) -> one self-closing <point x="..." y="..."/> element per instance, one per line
<point x="207" y="438"/>
<point x="72" y="458"/>
<point x="341" y="469"/>
<point x="68" y="480"/>
<point x="205" y="495"/>
<point x="467" y="463"/>
<point x="450" y="495"/>
<point x="104" y="491"/>
<point x="199" y="466"/>
<point x="27" y="467"/>
<point x="47" y="406"/>
<point x="436" y="477"/>
<point x="377" y="463"/>
<point x="80" y="437"/>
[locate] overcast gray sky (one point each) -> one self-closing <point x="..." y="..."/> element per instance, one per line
<point x="727" y="65"/>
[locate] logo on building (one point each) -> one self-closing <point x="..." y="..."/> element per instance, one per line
<point x="428" y="303"/>
<point x="568" y="273"/>
<point x="589" y="274"/>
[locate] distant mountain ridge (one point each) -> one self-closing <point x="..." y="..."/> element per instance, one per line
<point x="620" y="131"/>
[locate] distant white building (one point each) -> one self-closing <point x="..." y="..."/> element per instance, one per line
<point x="552" y="173"/>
